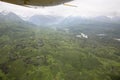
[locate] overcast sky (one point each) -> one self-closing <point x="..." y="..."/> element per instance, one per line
<point x="84" y="8"/>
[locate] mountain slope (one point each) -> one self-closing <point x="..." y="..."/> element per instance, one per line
<point x="12" y="19"/>
<point x="44" y="20"/>
<point x="41" y="53"/>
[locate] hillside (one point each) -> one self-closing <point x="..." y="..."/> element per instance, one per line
<point x="28" y="52"/>
<point x="44" y="20"/>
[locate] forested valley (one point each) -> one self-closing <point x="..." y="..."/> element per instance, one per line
<point x="30" y="52"/>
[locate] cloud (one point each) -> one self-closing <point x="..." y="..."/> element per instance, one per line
<point x="84" y="8"/>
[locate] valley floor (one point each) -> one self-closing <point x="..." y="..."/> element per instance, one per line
<point x="47" y="54"/>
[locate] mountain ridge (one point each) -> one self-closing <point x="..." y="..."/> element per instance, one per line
<point x="49" y="20"/>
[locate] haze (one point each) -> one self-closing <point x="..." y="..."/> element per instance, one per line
<point x="86" y="8"/>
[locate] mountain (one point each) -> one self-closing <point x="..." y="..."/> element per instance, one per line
<point x="41" y="53"/>
<point x="12" y="19"/>
<point x="101" y="19"/>
<point x="44" y="20"/>
<point x="116" y="19"/>
<point x="91" y="26"/>
<point x="72" y="21"/>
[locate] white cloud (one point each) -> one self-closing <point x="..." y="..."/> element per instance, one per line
<point x="84" y="8"/>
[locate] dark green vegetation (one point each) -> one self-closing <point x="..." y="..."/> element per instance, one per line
<point x="41" y="53"/>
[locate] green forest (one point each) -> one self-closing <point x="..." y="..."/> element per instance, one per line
<point x="29" y="52"/>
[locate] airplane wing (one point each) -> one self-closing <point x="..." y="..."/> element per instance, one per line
<point x="37" y="2"/>
<point x="65" y="4"/>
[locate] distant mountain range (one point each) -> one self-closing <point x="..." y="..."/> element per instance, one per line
<point x="48" y="20"/>
<point x="73" y="21"/>
<point x="76" y="25"/>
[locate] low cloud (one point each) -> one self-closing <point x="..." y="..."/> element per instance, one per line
<point x="84" y="8"/>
